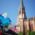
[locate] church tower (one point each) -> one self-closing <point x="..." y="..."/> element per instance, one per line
<point x="21" y="15"/>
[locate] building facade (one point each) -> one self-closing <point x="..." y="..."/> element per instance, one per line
<point x="24" y="23"/>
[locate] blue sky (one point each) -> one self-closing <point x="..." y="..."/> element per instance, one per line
<point x="11" y="7"/>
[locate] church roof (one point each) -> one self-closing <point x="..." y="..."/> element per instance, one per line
<point x="32" y="18"/>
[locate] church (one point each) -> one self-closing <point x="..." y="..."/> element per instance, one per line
<point x="24" y="23"/>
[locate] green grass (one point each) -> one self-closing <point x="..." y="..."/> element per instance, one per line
<point x="29" y="33"/>
<point x="20" y="33"/>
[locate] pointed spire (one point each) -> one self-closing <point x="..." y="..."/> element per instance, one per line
<point x="21" y="7"/>
<point x="21" y="4"/>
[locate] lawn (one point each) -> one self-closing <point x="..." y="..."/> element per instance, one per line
<point x="29" y="33"/>
<point x="20" y="33"/>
